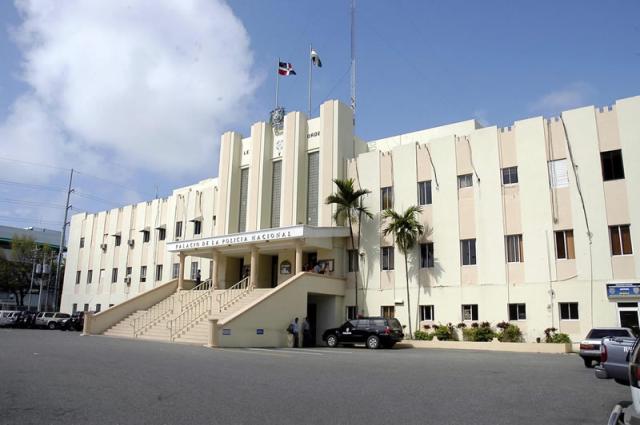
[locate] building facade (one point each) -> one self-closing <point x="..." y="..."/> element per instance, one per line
<point x="535" y="223"/>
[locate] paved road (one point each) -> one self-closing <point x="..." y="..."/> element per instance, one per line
<point x="58" y="377"/>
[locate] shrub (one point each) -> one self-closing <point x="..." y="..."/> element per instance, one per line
<point x="560" y="338"/>
<point x="445" y="333"/>
<point x="426" y="327"/>
<point x="474" y="325"/>
<point x="503" y="325"/>
<point x="461" y="325"/>
<point x="479" y="334"/>
<point x="469" y="334"/>
<point x="510" y="333"/>
<point x="423" y="336"/>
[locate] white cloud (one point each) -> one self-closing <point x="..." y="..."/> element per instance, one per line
<point x="572" y="96"/>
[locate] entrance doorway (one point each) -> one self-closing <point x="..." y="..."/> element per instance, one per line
<point x="628" y="315"/>
<point x="312" y="310"/>
<point x="274" y="271"/>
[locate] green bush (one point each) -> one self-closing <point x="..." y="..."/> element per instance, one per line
<point x="445" y="333"/>
<point x="560" y="338"/>
<point x="479" y="334"/>
<point x="423" y="336"/>
<point x="510" y="333"/>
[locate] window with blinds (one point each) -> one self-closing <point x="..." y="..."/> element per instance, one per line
<point x="559" y="173"/>
<point x="313" y="171"/>
<point x="242" y="211"/>
<point x="276" y="186"/>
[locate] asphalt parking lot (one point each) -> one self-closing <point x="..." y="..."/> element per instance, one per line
<point x="64" y="378"/>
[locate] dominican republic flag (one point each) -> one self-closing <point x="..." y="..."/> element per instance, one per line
<point x="285" y="68"/>
<point x="315" y="59"/>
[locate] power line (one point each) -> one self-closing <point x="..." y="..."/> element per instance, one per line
<point x="39" y="164"/>
<point x="31" y="203"/>
<point x="32" y="185"/>
<point x="29" y="220"/>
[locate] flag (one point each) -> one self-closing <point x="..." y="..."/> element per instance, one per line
<point x="285" y="68"/>
<point x="315" y="59"/>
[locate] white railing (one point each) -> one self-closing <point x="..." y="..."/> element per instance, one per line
<point x="192" y="312"/>
<point x="153" y="315"/>
<point x="231" y="295"/>
<point x="187" y="296"/>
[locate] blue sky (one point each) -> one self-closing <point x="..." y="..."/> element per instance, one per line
<point x="420" y="64"/>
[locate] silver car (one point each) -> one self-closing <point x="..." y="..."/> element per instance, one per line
<point x="50" y="320"/>
<point x="590" y="346"/>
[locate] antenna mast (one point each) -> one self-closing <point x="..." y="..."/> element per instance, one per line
<point x="353" y="60"/>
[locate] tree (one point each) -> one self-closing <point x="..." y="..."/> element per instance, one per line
<point x="406" y="230"/>
<point x="16" y="268"/>
<point x="348" y="202"/>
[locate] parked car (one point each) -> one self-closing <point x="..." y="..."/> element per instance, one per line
<point x="590" y="346"/>
<point x="614" y="359"/>
<point x="50" y="320"/>
<point x="374" y="332"/>
<point x="8" y="318"/>
<point x="26" y="319"/>
<point x="628" y="412"/>
<point x="73" y="323"/>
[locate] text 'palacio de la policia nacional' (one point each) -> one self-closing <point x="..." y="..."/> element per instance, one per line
<point x="536" y="224"/>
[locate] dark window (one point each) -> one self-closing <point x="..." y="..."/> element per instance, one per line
<point x="569" y="311"/>
<point x="510" y="175"/>
<point x="468" y="252"/>
<point x="465" y="180"/>
<point x="601" y="333"/>
<point x="470" y="312"/>
<point x="386" y="254"/>
<point x="98" y="308"/>
<point x="81" y="242"/>
<point x="128" y="273"/>
<point x="313" y="179"/>
<point x="353" y="260"/>
<point x="386" y="198"/>
<point x="427" y="312"/>
<point x="118" y="240"/>
<point x="242" y="208"/>
<point x="620" y="240"/>
<point x="74" y="308"/>
<point x="197" y="227"/>
<point x="86" y="308"/>
<point x="114" y="275"/>
<point x="424" y="193"/>
<point x="612" y="167"/>
<point x="175" y="270"/>
<point x="146" y="235"/>
<point x="564" y="245"/>
<point x="78" y="273"/>
<point x="159" y="272"/>
<point x="178" y="229"/>
<point x="276" y="189"/>
<point x="89" y="276"/>
<point x="162" y="233"/>
<point x="426" y="254"/>
<point x="517" y="311"/>
<point x="515" y="252"/>
<point x="143" y="274"/>
<point x="388" y="311"/>
<point x="352" y="312"/>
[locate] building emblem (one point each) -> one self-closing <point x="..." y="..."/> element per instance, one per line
<point x="277" y="119"/>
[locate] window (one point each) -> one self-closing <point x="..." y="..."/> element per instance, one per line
<point x="564" y="245"/>
<point x="194" y="270"/>
<point x="81" y="242"/>
<point x="569" y="311"/>
<point x="465" y="180"/>
<point x="197" y="227"/>
<point x="426" y="254"/>
<point x="90" y="276"/>
<point x="354" y="265"/>
<point x="114" y="275"/>
<point x="386" y="198"/>
<point x="620" y="240"/>
<point x="515" y="252"/>
<point x="386" y="255"/>
<point x="424" y="193"/>
<point x="86" y="308"/>
<point x="558" y="173"/>
<point x="118" y="239"/>
<point x="510" y="175"/>
<point x="143" y="274"/>
<point x="242" y="207"/>
<point x="98" y="308"/>
<point x="78" y="273"/>
<point x="128" y="273"/>
<point x="468" y="252"/>
<point x="426" y="312"/>
<point x="175" y="270"/>
<point x="518" y="311"/>
<point x="352" y="312"/>
<point x="162" y="234"/>
<point x="74" y="308"/>
<point x="178" y="229"/>
<point x="146" y="236"/>
<point x="159" y="272"/>
<point x="470" y="312"/>
<point x="276" y="188"/>
<point x="388" y="311"/>
<point x="612" y="167"/>
<point x="313" y="176"/>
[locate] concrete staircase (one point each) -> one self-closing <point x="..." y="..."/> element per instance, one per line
<point x="124" y="328"/>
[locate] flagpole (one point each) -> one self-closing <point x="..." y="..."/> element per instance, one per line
<point x="310" y="78"/>
<point x="277" y="81"/>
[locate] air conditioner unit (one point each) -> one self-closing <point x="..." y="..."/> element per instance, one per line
<point x="131" y="242"/>
<point x="103" y="246"/>
<point x="127" y="280"/>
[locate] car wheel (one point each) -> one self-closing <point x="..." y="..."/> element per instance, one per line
<point x="332" y="341"/>
<point x="588" y="363"/>
<point x="373" y="342"/>
<point x="51" y="325"/>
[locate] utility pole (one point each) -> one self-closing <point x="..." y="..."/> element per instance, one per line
<point x="56" y="301"/>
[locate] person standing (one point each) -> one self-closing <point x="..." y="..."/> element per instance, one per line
<point x="306" y="333"/>
<point x="198" y="278"/>
<point x="295" y="330"/>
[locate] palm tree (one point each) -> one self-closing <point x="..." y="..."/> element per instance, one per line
<point x="348" y="202"/>
<point x="406" y="230"/>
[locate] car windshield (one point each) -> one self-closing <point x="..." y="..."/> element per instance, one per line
<point x="63" y="315"/>
<point x="601" y="333"/>
<point x="394" y="324"/>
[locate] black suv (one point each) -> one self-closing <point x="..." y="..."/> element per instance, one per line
<point x="74" y="323"/>
<point x="375" y="332"/>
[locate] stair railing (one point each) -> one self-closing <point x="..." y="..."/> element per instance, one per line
<point x="187" y="296"/>
<point x="231" y="295"/>
<point x="193" y="312"/>
<point x="153" y="316"/>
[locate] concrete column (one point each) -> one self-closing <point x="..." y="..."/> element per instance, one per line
<point x="214" y="270"/>
<point x="298" y="257"/>
<point x="181" y="257"/>
<point x="213" y="333"/>
<point x="88" y="320"/>
<point x="253" y="277"/>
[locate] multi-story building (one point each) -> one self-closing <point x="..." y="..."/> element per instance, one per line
<point x="535" y="223"/>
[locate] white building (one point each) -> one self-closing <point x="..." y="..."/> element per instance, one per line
<point x="534" y="223"/>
